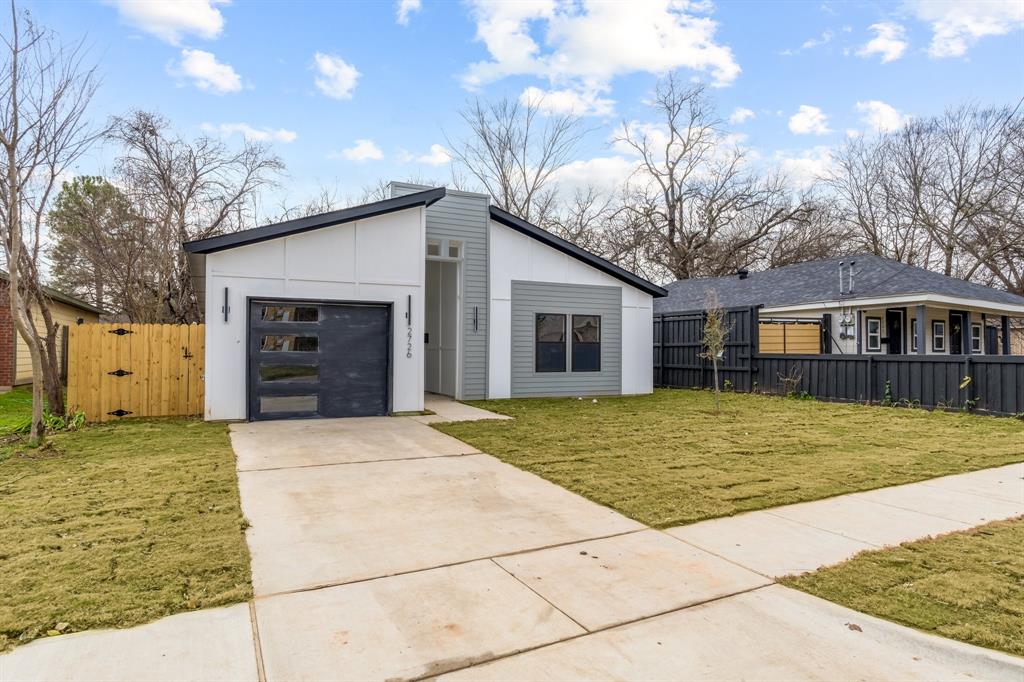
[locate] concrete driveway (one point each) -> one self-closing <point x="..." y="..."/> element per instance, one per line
<point x="383" y="549"/>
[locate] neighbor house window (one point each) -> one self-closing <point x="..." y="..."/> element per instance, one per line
<point x="913" y="335"/>
<point x="938" y="336"/>
<point x="874" y="333"/>
<point x="433" y="247"/>
<point x="586" y="343"/>
<point x="454" y="249"/>
<point x="550" y="342"/>
<point x="976" y="338"/>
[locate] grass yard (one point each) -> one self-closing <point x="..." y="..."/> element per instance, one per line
<point x="666" y="459"/>
<point x="116" y="525"/>
<point x="15" y="408"/>
<point x="967" y="586"/>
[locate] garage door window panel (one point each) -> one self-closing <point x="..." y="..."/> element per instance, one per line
<point x="289" y="343"/>
<point x="289" y="404"/>
<point x="289" y="374"/>
<point x="290" y="313"/>
<point x="550" y="342"/>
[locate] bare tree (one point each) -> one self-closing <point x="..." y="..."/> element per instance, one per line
<point x="45" y="89"/>
<point x="716" y="335"/>
<point x="701" y="208"/>
<point x="513" y="152"/>
<point x="185" y="190"/>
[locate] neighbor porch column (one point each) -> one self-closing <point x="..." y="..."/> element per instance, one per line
<point x="860" y="331"/>
<point x="920" y="330"/>
<point x="1004" y="322"/>
<point x="966" y="330"/>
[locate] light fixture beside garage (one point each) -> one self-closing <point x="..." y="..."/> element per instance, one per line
<point x="225" y="308"/>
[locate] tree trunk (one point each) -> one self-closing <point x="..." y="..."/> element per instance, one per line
<point x="718" y="394"/>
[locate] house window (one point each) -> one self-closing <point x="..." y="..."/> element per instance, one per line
<point x="874" y="333"/>
<point x="454" y="249"/>
<point x="938" y="336"/>
<point x="913" y="335"/>
<point x="976" y="338"/>
<point x="433" y="247"/>
<point x="586" y="343"/>
<point x="550" y="342"/>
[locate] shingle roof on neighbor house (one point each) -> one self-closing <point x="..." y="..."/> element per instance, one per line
<point x="818" y="282"/>
<point x="62" y="297"/>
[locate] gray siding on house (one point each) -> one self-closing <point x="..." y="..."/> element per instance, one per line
<point x="530" y="298"/>
<point x="464" y="216"/>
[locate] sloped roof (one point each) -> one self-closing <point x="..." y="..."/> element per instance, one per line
<point x="818" y="282"/>
<point x="290" y="227"/>
<point x="566" y="247"/>
<point x="66" y="299"/>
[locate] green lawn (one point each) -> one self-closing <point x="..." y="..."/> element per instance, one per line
<point x="666" y="459"/>
<point x="968" y="586"/>
<point x="15" y="408"/>
<point x="118" y="524"/>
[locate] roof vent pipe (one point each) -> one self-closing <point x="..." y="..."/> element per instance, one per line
<point x="841" y="263"/>
<point x="852" y="263"/>
<point x="743" y="272"/>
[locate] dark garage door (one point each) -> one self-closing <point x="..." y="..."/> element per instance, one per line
<point x="318" y="360"/>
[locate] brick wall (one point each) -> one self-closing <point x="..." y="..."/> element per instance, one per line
<point x="6" y="338"/>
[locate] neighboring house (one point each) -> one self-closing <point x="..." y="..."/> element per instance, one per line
<point x="359" y="311"/>
<point x="15" y="361"/>
<point x="862" y="304"/>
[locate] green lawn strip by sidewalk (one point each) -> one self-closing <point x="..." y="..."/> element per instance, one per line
<point x="967" y="586"/>
<point x="119" y="524"/>
<point x="666" y="459"/>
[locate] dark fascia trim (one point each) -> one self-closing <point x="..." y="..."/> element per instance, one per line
<point x="60" y="296"/>
<point x="568" y="248"/>
<point x="290" y="227"/>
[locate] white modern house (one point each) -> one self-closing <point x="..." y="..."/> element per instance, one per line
<point x="360" y="311"/>
<point x="862" y="304"/>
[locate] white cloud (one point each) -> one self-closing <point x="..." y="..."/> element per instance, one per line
<point x="605" y="174"/>
<point x="580" y="102"/>
<point x="206" y="72"/>
<point x="804" y="168"/>
<point x="881" y="117"/>
<point x="405" y="8"/>
<point x="362" y="150"/>
<point x="957" y="25"/>
<point x="809" y="120"/>
<point x="740" y="115"/>
<point x="811" y="43"/>
<point x="171" y="20"/>
<point x="438" y="156"/>
<point x="250" y="133"/>
<point x="593" y="42"/>
<point x="337" y="77"/>
<point x="889" y="42"/>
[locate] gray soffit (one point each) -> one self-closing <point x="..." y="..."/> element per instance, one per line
<point x="541" y="235"/>
<point x="818" y="282"/>
<point x="299" y="225"/>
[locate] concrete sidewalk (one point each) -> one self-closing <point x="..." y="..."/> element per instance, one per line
<point x="803" y="537"/>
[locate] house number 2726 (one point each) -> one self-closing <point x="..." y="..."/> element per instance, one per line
<point x="408" y="345"/>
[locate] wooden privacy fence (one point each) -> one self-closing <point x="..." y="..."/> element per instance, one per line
<point x="679" y="342"/>
<point x="135" y="370"/>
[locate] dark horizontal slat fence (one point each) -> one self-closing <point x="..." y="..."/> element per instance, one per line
<point x="995" y="385"/>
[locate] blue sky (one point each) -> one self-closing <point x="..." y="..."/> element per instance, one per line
<point x="809" y="73"/>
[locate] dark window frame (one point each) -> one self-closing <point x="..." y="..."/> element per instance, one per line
<point x="572" y="354"/>
<point x="867" y="334"/>
<point x="564" y="343"/>
<point x="935" y="335"/>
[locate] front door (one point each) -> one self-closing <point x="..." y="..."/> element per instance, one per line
<point x="894" y="327"/>
<point x="318" y="360"/>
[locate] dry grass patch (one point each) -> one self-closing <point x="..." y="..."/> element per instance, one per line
<point x="666" y="459"/>
<point x="967" y="586"/>
<point x="119" y="524"/>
